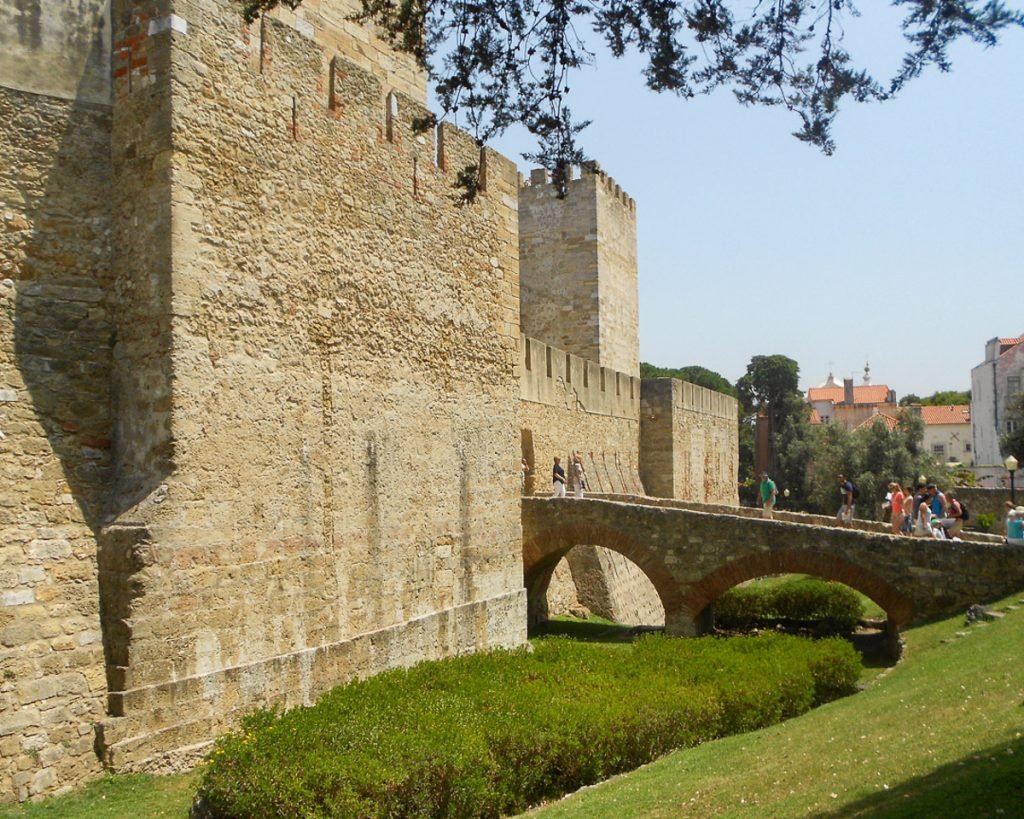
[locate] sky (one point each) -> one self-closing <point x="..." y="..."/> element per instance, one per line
<point x="902" y="250"/>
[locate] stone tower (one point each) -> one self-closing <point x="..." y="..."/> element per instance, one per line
<point x="578" y="268"/>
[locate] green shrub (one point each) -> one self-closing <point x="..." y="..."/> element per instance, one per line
<point x="836" y="608"/>
<point x="492" y="734"/>
<point x="984" y="521"/>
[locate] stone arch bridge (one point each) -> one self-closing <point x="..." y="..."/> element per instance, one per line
<point x="693" y="554"/>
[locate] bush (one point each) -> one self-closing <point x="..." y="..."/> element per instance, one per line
<point x="492" y="734"/>
<point x="836" y="608"/>
<point x="985" y="520"/>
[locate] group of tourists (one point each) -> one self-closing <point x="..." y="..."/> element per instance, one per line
<point x="926" y="511"/>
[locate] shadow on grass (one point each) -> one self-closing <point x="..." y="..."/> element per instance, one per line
<point x="987" y="783"/>
<point x="591" y="631"/>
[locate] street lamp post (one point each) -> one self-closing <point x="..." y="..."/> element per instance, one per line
<point x="1011" y="466"/>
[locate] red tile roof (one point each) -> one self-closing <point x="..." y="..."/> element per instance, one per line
<point x="866" y="394"/>
<point x="953" y="414"/>
<point x="1009" y="343"/>
<point x="889" y="421"/>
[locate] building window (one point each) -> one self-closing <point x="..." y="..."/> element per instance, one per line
<point x="967" y="447"/>
<point x="939" y="450"/>
<point x="1011" y="425"/>
<point x="1012" y="384"/>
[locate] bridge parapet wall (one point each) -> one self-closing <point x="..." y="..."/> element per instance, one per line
<point x="692" y="557"/>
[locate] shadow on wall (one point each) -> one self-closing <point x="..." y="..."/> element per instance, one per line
<point x="63" y="337"/>
<point x="63" y="272"/>
<point x="73" y="302"/>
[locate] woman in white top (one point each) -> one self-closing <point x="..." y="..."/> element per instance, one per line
<point x="923" y="526"/>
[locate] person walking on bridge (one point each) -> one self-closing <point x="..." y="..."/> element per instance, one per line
<point x="557" y="479"/>
<point x="768" y="495"/>
<point x="896" y="507"/>
<point x="579" y="475"/>
<point x="845" y="513"/>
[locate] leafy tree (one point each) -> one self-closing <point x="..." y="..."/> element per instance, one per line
<point x="770" y="385"/>
<point x="695" y="374"/>
<point x="943" y="398"/>
<point x="871" y="456"/>
<point x="795" y="453"/>
<point x="948" y="398"/>
<point x="510" y="61"/>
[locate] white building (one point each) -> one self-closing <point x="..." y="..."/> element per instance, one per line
<point x="947" y="433"/>
<point x="994" y="383"/>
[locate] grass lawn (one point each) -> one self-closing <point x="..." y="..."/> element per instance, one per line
<point x="939" y="735"/>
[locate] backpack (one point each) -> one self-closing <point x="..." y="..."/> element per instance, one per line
<point x="964" y="514"/>
<point x="856" y="492"/>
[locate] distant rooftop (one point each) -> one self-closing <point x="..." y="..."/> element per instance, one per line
<point x="952" y="414"/>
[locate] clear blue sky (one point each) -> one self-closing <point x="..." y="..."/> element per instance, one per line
<point x="905" y="248"/>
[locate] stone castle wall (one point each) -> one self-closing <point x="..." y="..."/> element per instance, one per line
<point x="56" y="48"/>
<point x="259" y="393"/>
<point x="317" y="300"/>
<point x="569" y="405"/>
<point x="329" y="23"/>
<point x="689" y="441"/>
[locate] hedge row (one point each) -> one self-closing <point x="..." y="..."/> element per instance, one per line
<point x="492" y="734"/>
<point x="835" y="607"/>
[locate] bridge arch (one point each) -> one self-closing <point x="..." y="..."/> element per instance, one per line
<point x="541" y="554"/>
<point x="699" y="596"/>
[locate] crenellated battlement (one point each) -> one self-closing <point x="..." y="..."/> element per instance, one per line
<point x="317" y="80"/>
<point x="552" y="376"/>
<point x="579" y="176"/>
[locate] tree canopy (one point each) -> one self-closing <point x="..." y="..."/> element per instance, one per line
<point x="501" y="62"/>
<point x="771" y="385"/>
<point x="694" y="373"/>
<point x="942" y="398"/>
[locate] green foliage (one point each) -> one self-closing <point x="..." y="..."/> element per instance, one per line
<point x="942" y="398"/>
<point x="985" y="521"/>
<point x="695" y="374"/>
<point x="1012" y="443"/>
<point x="512" y="61"/>
<point x="871" y="456"/>
<point x="770" y="385"/>
<point x="491" y="734"/>
<point x="835" y="607"/>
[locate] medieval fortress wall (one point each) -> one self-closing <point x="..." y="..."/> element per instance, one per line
<point x="250" y="450"/>
<point x="570" y="406"/>
<point x="689" y="442"/>
<point x="262" y="383"/>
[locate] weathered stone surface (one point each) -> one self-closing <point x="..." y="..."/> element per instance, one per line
<point x="579" y="269"/>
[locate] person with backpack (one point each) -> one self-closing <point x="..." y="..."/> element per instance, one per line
<point x="956" y="514"/>
<point x="849" y="494"/>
